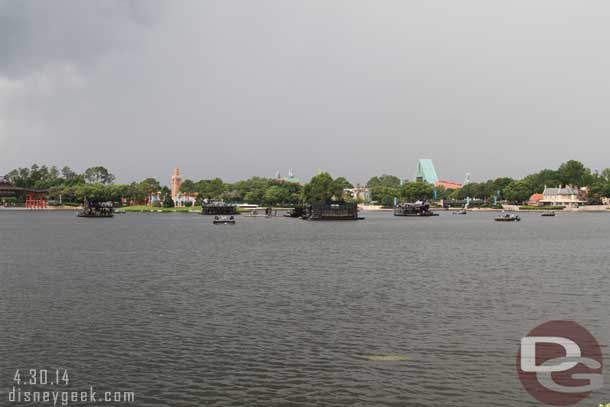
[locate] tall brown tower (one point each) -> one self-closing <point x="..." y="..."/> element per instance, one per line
<point x="176" y="182"/>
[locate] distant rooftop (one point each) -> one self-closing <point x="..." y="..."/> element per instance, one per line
<point x="448" y="184"/>
<point x="293" y="180"/>
<point x="568" y="190"/>
<point x="6" y="185"/>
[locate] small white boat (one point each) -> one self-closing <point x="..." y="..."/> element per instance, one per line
<point x="223" y="220"/>
<point x="507" y="217"/>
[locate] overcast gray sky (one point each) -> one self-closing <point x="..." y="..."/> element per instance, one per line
<point x="358" y="88"/>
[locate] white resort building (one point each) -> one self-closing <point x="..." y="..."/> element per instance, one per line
<point x="568" y="196"/>
<point x="182" y="199"/>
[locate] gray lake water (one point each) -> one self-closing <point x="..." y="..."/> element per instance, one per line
<point x="285" y="312"/>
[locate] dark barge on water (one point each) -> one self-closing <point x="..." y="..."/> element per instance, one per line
<point x="331" y="210"/>
<point x="296" y="212"/>
<point x="96" y="209"/>
<point x="413" y="209"/>
<point x="218" y="208"/>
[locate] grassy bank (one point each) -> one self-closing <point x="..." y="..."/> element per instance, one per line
<point x="541" y="208"/>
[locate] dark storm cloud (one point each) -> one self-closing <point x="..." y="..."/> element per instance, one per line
<point x="240" y="88"/>
<point x="36" y="33"/>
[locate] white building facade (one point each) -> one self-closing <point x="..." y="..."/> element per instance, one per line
<point x="568" y="196"/>
<point x="181" y="199"/>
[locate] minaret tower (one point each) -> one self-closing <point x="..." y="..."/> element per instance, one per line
<point x="176" y="182"/>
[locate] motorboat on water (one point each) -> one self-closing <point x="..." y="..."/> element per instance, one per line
<point x="462" y="211"/>
<point x="507" y="217"/>
<point x="224" y="220"/>
<point x="548" y="213"/>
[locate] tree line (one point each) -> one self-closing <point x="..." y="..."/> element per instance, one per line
<point x="384" y="188"/>
<point x="98" y="183"/>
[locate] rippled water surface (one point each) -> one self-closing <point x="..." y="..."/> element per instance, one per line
<point x="287" y="312"/>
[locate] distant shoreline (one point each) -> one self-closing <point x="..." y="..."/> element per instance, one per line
<point x="49" y="208"/>
<point x="371" y="208"/>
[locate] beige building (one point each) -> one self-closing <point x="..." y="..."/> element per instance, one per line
<point x="359" y="193"/>
<point x="568" y="196"/>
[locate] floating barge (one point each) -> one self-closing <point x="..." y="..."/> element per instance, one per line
<point x="218" y="208"/>
<point x="94" y="209"/>
<point x="332" y="210"/>
<point x="413" y="209"/>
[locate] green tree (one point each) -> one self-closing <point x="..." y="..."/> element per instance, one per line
<point x="36" y="177"/>
<point x="166" y="195"/>
<point x="92" y="192"/>
<point x="188" y="187"/>
<point x="135" y="192"/>
<point x="70" y="177"/>
<point x="384" y="180"/>
<point x="517" y="191"/>
<point x="343" y="183"/>
<point x="98" y="174"/>
<point x="322" y="187"/>
<point x="210" y="188"/>
<point x="574" y="172"/>
<point x="253" y="197"/>
<point x="149" y="186"/>
<point x="442" y="192"/>
<point x="498" y="185"/>
<point x="67" y="173"/>
<point x="385" y="194"/>
<point x="416" y="191"/>
<point x="275" y="195"/>
<point x="600" y="190"/>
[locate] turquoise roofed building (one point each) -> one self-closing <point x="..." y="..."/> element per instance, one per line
<point x="291" y="178"/>
<point x="425" y="171"/>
